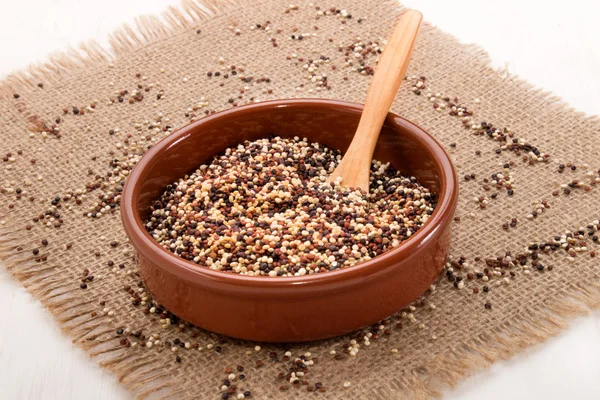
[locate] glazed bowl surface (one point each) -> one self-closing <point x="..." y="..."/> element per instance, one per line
<point x="299" y="308"/>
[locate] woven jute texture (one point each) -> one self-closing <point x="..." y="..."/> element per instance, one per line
<point x="448" y="335"/>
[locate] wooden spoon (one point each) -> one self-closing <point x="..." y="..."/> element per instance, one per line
<point x="354" y="169"/>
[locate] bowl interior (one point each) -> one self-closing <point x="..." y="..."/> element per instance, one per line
<point x="401" y="143"/>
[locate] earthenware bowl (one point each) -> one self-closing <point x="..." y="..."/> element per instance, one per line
<point x="302" y="308"/>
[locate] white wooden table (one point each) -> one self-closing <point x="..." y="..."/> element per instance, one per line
<point x="553" y="44"/>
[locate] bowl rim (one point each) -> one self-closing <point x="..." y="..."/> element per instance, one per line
<point x="147" y="246"/>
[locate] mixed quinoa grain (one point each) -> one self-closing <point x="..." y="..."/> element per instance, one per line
<point x="264" y="208"/>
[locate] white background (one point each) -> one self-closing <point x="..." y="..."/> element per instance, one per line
<point x="553" y="44"/>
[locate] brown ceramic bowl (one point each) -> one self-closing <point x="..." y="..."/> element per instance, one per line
<point x="303" y="308"/>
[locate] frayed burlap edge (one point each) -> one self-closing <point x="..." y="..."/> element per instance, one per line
<point x="148" y="29"/>
<point x="140" y="374"/>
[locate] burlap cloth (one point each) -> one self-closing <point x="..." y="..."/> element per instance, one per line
<point x="436" y="346"/>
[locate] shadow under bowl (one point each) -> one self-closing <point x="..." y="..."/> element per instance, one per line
<point x="302" y="308"/>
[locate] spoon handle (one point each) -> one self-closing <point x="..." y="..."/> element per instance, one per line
<point x="355" y="165"/>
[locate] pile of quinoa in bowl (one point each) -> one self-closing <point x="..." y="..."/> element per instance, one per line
<point x="264" y="208"/>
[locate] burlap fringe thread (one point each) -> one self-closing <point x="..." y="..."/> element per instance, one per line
<point x="127" y="39"/>
<point x="139" y="373"/>
<point x="74" y="316"/>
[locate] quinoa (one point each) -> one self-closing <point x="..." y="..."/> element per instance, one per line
<point x="264" y="208"/>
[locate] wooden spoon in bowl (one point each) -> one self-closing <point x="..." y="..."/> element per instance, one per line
<point x="354" y="169"/>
